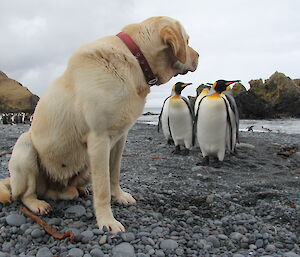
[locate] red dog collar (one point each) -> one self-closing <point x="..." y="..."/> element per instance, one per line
<point x="135" y="50"/>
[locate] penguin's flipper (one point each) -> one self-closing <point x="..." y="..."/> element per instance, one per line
<point x="229" y="123"/>
<point x="161" y="111"/>
<point x="189" y="106"/>
<point x="193" y="118"/>
<point x="235" y="110"/>
<point x="196" y="117"/>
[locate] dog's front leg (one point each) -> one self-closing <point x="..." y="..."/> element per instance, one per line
<point x="115" y="162"/>
<point x="99" y="151"/>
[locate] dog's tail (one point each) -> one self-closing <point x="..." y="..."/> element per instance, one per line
<point x="5" y="191"/>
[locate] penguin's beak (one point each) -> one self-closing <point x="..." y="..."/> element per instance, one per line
<point x="186" y="84"/>
<point x="231" y="82"/>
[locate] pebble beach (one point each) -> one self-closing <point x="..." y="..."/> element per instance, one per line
<point x="248" y="207"/>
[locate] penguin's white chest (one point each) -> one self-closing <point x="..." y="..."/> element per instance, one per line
<point x="212" y="126"/>
<point x="180" y="122"/>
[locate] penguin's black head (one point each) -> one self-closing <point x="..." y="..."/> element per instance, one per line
<point x="179" y="86"/>
<point x="221" y="85"/>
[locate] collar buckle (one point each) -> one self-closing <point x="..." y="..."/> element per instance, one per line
<point x="152" y="81"/>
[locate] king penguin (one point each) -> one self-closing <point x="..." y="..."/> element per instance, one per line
<point x="216" y="121"/>
<point x="176" y="120"/>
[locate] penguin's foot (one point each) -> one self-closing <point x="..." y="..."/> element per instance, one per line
<point x="177" y="150"/>
<point x="235" y="153"/>
<point x="217" y="164"/>
<point x="185" y="151"/>
<point x="170" y="141"/>
<point x="205" y="162"/>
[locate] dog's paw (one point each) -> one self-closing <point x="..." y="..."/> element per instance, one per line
<point x="83" y="191"/>
<point x="111" y="225"/>
<point x="39" y="206"/>
<point x="124" y="198"/>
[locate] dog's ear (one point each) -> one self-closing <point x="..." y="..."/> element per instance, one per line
<point x="171" y="35"/>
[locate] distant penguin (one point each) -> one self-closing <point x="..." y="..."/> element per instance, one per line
<point x="203" y="93"/>
<point x="176" y="120"/>
<point x="216" y="121"/>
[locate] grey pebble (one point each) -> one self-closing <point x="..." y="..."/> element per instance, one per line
<point x="128" y="237"/>
<point x="87" y="236"/>
<point x="44" y="252"/>
<point x="54" y="221"/>
<point x="270" y="248"/>
<point x="2" y="254"/>
<point x="236" y="236"/>
<point x="25" y="226"/>
<point x="240" y="229"/>
<point x="259" y="243"/>
<point x="15" y="220"/>
<point x="124" y="248"/>
<point x="215" y="241"/>
<point x="222" y="237"/>
<point x="77" y="210"/>
<point x="159" y="253"/>
<point x="76" y="252"/>
<point x="97" y="252"/>
<point x="168" y="244"/>
<point x="231" y="208"/>
<point x="36" y="233"/>
<point x="103" y="240"/>
<point x="291" y="254"/>
<point x="238" y="255"/>
<point x="179" y="251"/>
<point x="141" y="255"/>
<point x="210" y="199"/>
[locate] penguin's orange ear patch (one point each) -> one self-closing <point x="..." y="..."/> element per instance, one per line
<point x="172" y="36"/>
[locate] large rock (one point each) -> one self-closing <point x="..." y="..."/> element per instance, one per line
<point x="252" y="107"/>
<point x="238" y="88"/>
<point x="14" y="97"/>
<point x="280" y="92"/>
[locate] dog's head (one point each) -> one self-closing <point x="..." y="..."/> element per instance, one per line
<point x="164" y="42"/>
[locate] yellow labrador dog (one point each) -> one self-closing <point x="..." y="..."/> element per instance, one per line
<point x="81" y="123"/>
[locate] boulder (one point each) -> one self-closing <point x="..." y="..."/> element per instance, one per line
<point x="238" y="88"/>
<point x="14" y="97"/>
<point x="252" y="107"/>
<point x="280" y="92"/>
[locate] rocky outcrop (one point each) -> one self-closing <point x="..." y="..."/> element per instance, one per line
<point x="252" y="107"/>
<point x="14" y="97"/>
<point x="281" y="93"/>
<point x="238" y="88"/>
<point x="276" y="97"/>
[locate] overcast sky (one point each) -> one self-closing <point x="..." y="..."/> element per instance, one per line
<point x="236" y="39"/>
